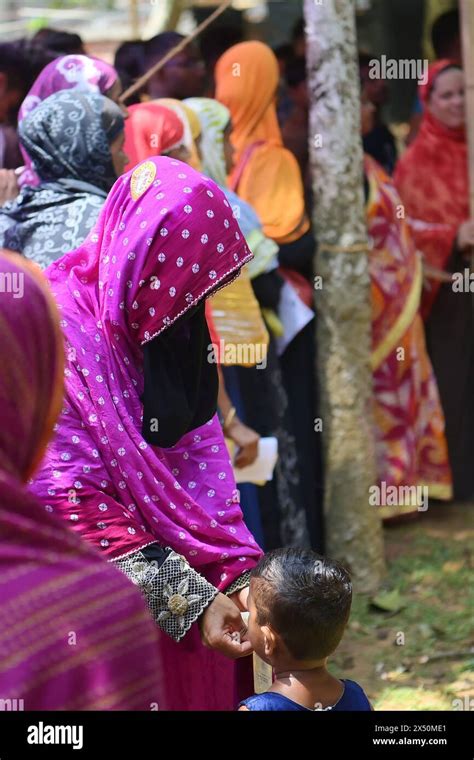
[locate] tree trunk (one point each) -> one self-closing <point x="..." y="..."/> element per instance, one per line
<point x="134" y="19"/>
<point x="353" y="528"/>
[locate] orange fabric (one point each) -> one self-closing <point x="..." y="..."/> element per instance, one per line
<point x="432" y="179"/>
<point x="151" y="129"/>
<point x="268" y="177"/>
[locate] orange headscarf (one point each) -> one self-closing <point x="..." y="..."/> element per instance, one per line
<point x="151" y="129"/>
<point x="266" y="174"/>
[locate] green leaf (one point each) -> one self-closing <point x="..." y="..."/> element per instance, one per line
<point x="388" y="601"/>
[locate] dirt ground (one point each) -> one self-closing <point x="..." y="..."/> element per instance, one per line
<point x="414" y="650"/>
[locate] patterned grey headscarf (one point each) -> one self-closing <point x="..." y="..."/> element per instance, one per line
<point x="68" y="137"/>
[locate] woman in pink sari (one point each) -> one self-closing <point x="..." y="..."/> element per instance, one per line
<point x="74" y="633"/>
<point x="139" y="460"/>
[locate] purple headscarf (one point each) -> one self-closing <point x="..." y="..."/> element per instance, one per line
<point x="165" y="240"/>
<point x="79" y="72"/>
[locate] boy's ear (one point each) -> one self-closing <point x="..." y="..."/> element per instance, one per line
<point x="269" y="640"/>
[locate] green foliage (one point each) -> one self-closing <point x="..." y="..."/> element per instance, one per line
<point x="81" y="4"/>
<point x="409" y="644"/>
<point x="35" y="24"/>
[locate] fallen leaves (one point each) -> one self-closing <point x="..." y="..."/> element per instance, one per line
<point x="388" y="601"/>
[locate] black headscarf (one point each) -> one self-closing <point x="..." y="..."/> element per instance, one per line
<point x="181" y="381"/>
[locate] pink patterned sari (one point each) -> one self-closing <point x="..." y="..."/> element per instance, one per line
<point x="164" y="241"/>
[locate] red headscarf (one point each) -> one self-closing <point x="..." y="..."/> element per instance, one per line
<point x="435" y="69"/>
<point x="432" y="180"/>
<point x="151" y="129"/>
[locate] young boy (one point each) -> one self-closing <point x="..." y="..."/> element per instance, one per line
<point x="299" y="605"/>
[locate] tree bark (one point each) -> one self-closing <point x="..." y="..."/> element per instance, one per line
<point x="353" y="528"/>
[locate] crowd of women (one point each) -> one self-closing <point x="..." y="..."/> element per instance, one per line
<point x="137" y="215"/>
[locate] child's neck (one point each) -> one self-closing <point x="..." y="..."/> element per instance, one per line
<point x="307" y="683"/>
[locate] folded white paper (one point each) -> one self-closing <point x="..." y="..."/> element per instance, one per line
<point x="262" y="469"/>
<point x="294" y="316"/>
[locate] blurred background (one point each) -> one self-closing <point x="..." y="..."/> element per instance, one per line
<point x="396" y="28"/>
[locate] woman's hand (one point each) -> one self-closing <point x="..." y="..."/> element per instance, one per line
<point x="465" y="238"/>
<point x="432" y="273"/>
<point x="8" y="185"/>
<point x="245" y="439"/>
<point x="223" y="629"/>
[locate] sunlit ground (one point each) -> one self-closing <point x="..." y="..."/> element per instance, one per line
<point x="429" y="596"/>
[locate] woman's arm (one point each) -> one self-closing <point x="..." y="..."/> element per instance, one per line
<point x="178" y="596"/>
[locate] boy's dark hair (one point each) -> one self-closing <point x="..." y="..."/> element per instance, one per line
<point x="295" y="71"/>
<point x="305" y="598"/>
<point x="445" y="32"/>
